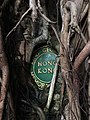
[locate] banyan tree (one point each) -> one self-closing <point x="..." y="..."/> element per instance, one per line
<point x="44" y="59"/>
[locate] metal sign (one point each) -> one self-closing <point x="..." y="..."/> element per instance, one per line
<point x="42" y="66"/>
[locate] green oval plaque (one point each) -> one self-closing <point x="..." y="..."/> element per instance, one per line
<point x="42" y="66"/>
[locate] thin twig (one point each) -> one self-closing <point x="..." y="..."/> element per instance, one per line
<point x="52" y="85"/>
<point x="43" y="15"/>
<point x="57" y="36"/>
<point x="46" y="18"/>
<point x="78" y="30"/>
<point x="14" y="28"/>
<point x="84" y="12"/>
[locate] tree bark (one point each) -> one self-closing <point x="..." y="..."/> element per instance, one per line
<point x="5" y="74"/>
<point x="82" y="55"/>
<point x="74" y="111"/>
